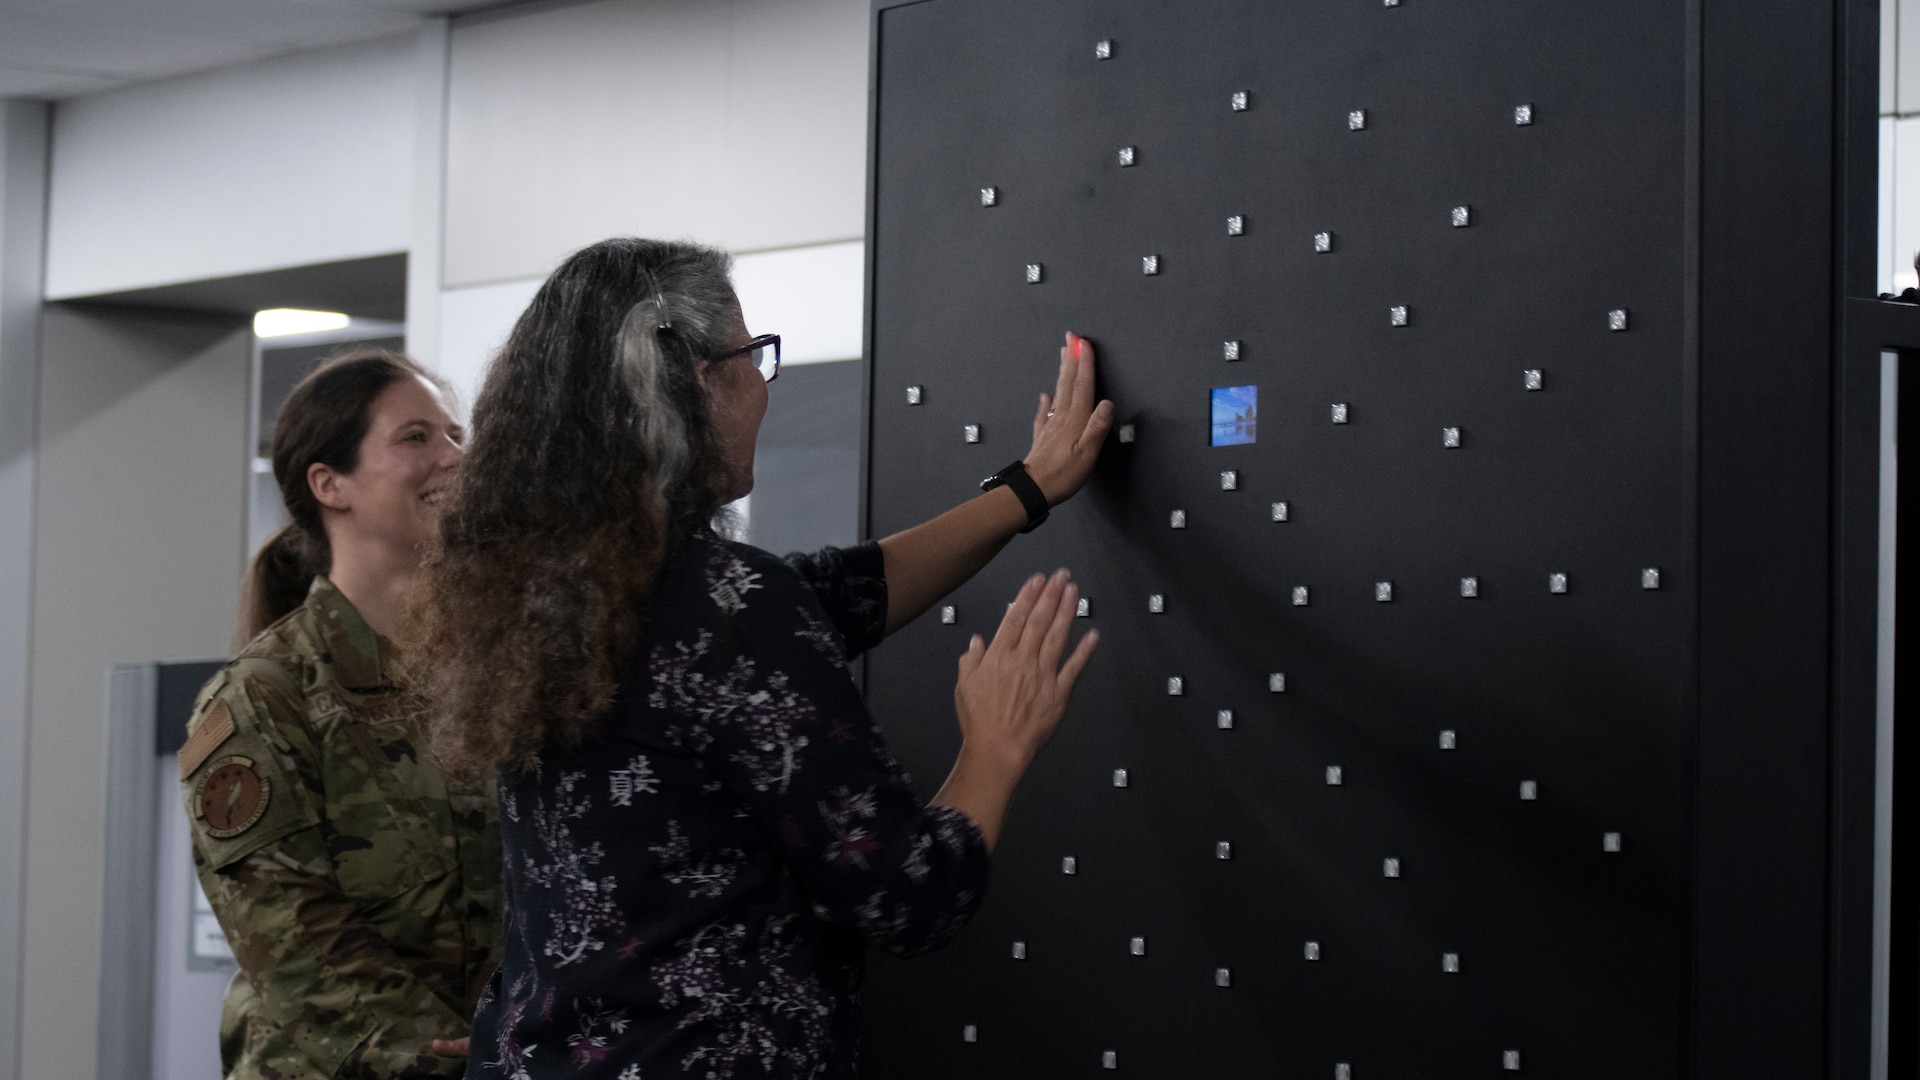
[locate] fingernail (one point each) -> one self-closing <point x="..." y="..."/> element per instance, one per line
<point x="1078" y="347"/>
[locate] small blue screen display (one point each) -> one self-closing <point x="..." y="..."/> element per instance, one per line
<point x="1235" y="409"/>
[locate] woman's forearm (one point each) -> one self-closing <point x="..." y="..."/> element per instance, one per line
<point x="929" y="561"/>
<point x="934" y="558"/>
<point x="981" y="787"/>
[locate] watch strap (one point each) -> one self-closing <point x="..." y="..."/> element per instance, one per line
<point x="1015" y="477"/>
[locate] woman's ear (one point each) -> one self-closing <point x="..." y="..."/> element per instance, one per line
<point x="327" y="487"/>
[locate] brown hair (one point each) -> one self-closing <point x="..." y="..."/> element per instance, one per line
<point x="591" y="453"/>
<point x="323" y="421"/>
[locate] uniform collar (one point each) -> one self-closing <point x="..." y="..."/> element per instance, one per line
<point x="359" y="655"/>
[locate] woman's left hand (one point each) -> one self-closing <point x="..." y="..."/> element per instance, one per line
<point x="1068" y="429"/>
<point x="450" y="1048"/>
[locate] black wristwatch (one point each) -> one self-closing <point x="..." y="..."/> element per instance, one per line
<point x="1015" y="476"/>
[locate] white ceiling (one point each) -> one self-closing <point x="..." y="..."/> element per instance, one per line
<point x="52" y="49"/>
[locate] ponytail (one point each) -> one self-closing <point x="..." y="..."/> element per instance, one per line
<point x="277" y="581"/>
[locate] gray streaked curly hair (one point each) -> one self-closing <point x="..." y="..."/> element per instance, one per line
<point x="590" y="456"/>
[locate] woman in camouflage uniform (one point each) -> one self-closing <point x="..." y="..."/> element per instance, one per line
<point x="355" y="883"/>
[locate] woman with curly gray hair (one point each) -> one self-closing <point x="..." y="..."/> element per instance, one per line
<point x="703" y="827"/>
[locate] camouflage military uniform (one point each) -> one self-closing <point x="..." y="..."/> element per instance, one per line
<point x="358" y="888"/>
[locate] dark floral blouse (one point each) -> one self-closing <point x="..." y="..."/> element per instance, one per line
<point x="691" y="895"/>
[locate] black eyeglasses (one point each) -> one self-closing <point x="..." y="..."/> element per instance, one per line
<point x="765" y="353"/>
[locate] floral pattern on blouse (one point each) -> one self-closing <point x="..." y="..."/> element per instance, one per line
<point x="692" y="893"/>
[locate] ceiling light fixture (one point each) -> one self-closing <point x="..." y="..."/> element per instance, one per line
<point x="279" y="322"/>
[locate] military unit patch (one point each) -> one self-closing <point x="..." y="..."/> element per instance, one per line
<point x="232" y="797"/>
<point x="205" y="739"/>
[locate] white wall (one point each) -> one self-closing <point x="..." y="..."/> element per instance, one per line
<point x="23" y="160"/>
<point x="302" y="159"/>
<point x="738" y="122"/>
<point x="1899" y="143"/>
<point x="139" y="526"/>
<point x="812" y="297"/>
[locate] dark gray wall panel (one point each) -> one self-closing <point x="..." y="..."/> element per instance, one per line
<point x="1575" y="957"/>
<point x="806" y="473"/>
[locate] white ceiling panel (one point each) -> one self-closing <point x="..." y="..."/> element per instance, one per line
<point x="282" y="24"/>
<point x="38" y="41"/>
<point x="19" y="82"/>
<point x="51" y="49"/>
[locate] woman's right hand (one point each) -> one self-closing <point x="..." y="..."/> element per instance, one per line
<point x="1012" y="693"/>
<point x="1069" y="428"/>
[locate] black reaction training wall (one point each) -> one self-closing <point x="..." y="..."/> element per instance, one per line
<point x="1388" y="763"/>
